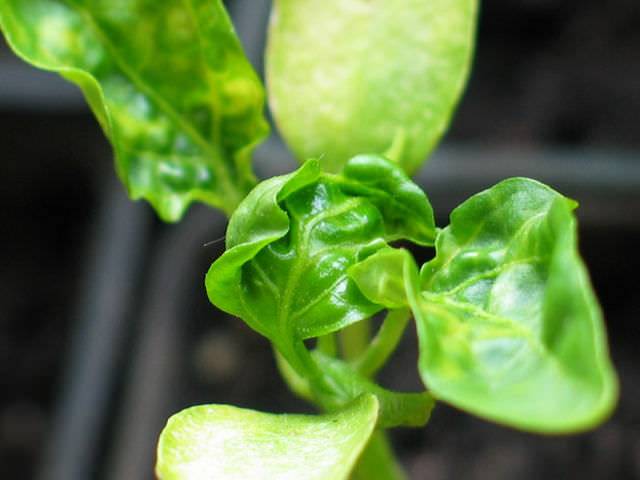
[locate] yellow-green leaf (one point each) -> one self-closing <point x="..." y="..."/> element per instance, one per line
<point x="367" y="76"/>
<point x="218" y="441"/>
<point x="168" y="82"/>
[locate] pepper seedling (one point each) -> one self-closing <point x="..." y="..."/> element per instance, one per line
<point x="509" y="328"/>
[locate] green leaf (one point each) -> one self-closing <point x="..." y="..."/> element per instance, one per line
<point x="508" y="324"/>
<point x="219" y="441"/>
<point x="352" y="76"/>
<point x="403" y="204"/>
<point x="168" y="82"/>
<point x="292" y="240"/>
<point x="380" y="277"/>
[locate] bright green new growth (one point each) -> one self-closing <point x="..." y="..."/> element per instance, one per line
<point x="289" y="246"/>
<point x="379" y="76"/>
<point x="168" y="82"/>
<point x="509" y="328"/>
<point x="291" y="240"/>
<point x="220" y="441"/>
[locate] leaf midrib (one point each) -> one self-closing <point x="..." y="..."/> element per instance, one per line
<point x="302" y="261"/>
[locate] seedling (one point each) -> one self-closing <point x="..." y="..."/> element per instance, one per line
<point x="508" y="326"/>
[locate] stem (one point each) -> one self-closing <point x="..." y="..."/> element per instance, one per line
<point x="378" y="461"/>
<point x="296" y="383"/>
<point x="354" y="339"/>
<point x="301" y="372"/>
<point x="398" y="146"/>
<point x="384" y="343"/>
<point x="327" y="344"/>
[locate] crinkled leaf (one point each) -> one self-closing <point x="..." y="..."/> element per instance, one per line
<point x="404" y="206"/>
<point x="168" y="82"/>
<point x="292" y="240"/>
<point x="508" y="324"/>
<point x="220" y="441"/>
<point x="352" y="76"/>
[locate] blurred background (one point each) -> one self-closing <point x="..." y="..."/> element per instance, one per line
<point x="105" y="329"/>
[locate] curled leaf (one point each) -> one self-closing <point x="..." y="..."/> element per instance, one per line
<point x="292" y="240"/>
<point x="509" y="326"/>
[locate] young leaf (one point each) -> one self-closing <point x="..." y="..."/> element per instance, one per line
<point x="351" y="76"/>
<point x="291" y="241"/>
<point x="381" y="277"/>
<point x="219" y="441"/>
<point x="508" y="324"/>
<point x="169" y="84"/>
<point x="404" y="206"/>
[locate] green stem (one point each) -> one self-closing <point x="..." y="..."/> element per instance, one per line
<point x="327" y="344"/>
<point x="384" y="344"/>
<point x="378" y="461"/>
<point x="354" y="339"/>
<point x="398" y="146"/>
<point x="296" y="383"/>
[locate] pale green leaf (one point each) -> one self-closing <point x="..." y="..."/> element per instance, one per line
<point x="353" y="76"/>
<point x="223" y="442"/>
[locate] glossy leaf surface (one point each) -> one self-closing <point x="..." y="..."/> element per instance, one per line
<point x="508" y="323"/>
<point x="219" y="441"/>
<point x="352" y="76"/>
<point x="381" y="277"/>
<point x="168" y="82"/>
<point x="509" y="327"/>
<point x="292" y="240"/>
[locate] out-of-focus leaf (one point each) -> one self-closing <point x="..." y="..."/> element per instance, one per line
<point x="168" y="82"/>
<point x="219" y="441"/>
<point x="352" y="76"/>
